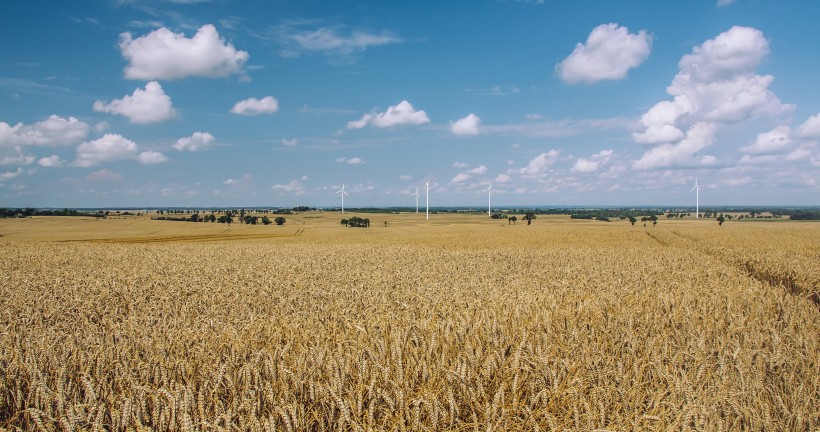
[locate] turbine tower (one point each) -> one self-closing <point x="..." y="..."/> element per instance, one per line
<point x="342" y="191"/>
<point x="427" y="198"/>
<point x="489" y="191"/>
<point x="417" y="199"/>
<point x="697" y="198"/>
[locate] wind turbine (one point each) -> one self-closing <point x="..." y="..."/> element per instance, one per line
<point x="489" y="191"/>
<point x="342" y="191"/>
<point x="697" y="198"/>
<point x="417" y="200"/>
<point x="427" y="198"/>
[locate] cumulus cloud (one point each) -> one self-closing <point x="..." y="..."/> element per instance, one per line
<point x="103" y="175"/>
<point x="466" y="126"/>
<point x="811" y="128"/>
<point x="460" y="178"/>
<point x="477" y="170"/>
<point x="53" y="131"/>
<point x="298" y="37"/>
<point x="468" y="174"/>
<point x="715" y="85"/>
<point x="460" y="165"/>
<point x="608" y="54"/>
<point x="151" y="105"/>
<point x="151" y="157"/>
<point x="502" y="178"/>
<point x="110" y="147"/>
<point x="584" y="165"/>
<point x="196" y="142"/>
<point x="50" y="161"/>
<point x="540" y="163"/>
<point x="253" y="106"/>
<point x="698" y="137"/>
<point x="165" y="55"/>
<point x="400" y="114"/>
<point x="292" y="187"/>
<point x="773" y="141"/>
<point x="290" y="142"/>
<point x="10" y="174"/>
<point x="350" y="161"/>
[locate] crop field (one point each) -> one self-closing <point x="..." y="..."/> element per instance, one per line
<point x="460" y="323"/>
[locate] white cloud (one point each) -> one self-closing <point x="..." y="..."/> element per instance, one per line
<point x="196" y="142"/>
<point x="290" y="143"/>
<point x="770" y="142"/>
<point x="103" y="175"/>
<point x="151" y="105"/>
<point x="300" y="37"/>
<point x="151" y="157"/>
<point x="110" y="147"/>
<point x="350" y="161"/>
<point x="51" y="161"/>
<point x="466" y="126"/>
<point x="583" y="165"/>
<point x="245" y="179"/>
<point x="540" y="163"/>
<point x="293" y="186"/>
<point x="715" y="85"/>
<point x="460" y="178"/>
<point x="15" y="156"/>
<point x="698" y="137"/>
<point x="609" y="53"/>
<point x="53" y="131"/>
<point x="722" y="3"/>
<point x="460" y="165"/>
<point x="811" y="128"/>
<point x="165" y="55"/>
<point x="253" y="106"/>
<point x="478" y="170"/>
<point x="503" y="178"/>
<point x="400" y="114"/>
<point x="11" y="174"/>
<point x="405" y="177"/>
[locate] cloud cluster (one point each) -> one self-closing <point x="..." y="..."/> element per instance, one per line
<point x="594" y="162"/>
<point x="466" y="126"/>
<point x="401" y="114"/>
<point x="113" y="147"/>
<point x="53" y="131"/>
<point x="151" y="105"/>
<point x="608" y="54"/>
<point x="715" y="85"/>
<point x="292" y="187"/>
<point x="468" y="174"/>
<point x="196" y="142"/>
<point x="164" y="55"/>
<point x="253" y="106"/>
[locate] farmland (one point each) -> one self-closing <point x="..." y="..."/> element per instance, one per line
<point x="459" y="323"/>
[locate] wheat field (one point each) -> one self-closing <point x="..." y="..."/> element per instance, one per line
<point x="459" y="323"/>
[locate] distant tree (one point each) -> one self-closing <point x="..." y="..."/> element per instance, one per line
<point x="279" y="220"/>
<point x="721" y="219"/>
<point x="195" y="217"/>
<point x="529" y="216"/>
<point x="632" y="220"/>
<point x="513" y="219"/>
<point x="345" y="222"/>
<point x="265" y="220"/>
<point x="654" y="219"/>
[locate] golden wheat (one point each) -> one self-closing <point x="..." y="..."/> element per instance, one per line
<point x="578" y="326"/>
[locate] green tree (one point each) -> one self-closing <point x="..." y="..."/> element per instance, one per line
<point x="654" y="219"/>
<point x="279" y="220"/>
<point x="721" y="219"/>
<point x="632" y="220"/>
<point x="195" y="217"/>
<point x="512" y="219"/>
<point x="529" y="216"/>
<point x="265" y="220"/>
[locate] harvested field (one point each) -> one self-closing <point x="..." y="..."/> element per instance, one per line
<point x="464" y="324"/>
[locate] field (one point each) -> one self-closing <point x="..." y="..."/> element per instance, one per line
<point x="459" y="323"/>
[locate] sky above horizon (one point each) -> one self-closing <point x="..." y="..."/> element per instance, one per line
<point x="197" y="103"/>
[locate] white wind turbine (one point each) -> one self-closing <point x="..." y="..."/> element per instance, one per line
<point x="697" y="198"/>
<point x="427" y="198"/>
<point x="417" y="200"/>
<point x="342" y="191"/>
<point x="489" y="191"/>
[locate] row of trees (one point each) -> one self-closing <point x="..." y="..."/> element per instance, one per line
<point x="227" y="218"/>
<point x="357" y="222"/>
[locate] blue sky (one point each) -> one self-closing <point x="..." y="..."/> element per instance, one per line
<point x="253" y="103"/>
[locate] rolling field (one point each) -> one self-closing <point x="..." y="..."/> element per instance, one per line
<point x="459" y="323"/>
